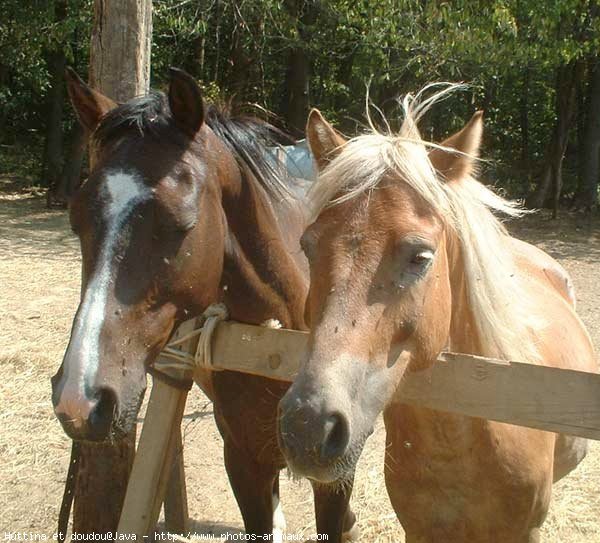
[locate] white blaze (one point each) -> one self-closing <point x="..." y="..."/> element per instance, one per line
<point x="123" y="192"/>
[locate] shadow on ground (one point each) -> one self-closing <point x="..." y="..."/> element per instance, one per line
<point x="573" y="235"/>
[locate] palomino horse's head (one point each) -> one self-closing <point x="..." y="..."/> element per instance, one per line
<point x="151" y="232"/>
<point x="380" y="297"/>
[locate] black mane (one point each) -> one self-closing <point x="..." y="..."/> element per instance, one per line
<point x="246" y="137"/>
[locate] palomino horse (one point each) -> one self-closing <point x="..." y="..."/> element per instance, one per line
<point x="184" y="208"/>
<point x="408" y="260"/>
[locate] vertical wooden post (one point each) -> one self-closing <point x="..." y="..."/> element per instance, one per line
<point x="101" y="484"/>
<point x="120" y="48"/>
<point x="176" y="506"/>
<point x="119" y="68"/>
<point x="159" y="442"/>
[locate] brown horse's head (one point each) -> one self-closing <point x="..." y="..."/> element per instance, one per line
<point x="152" y="233"/>
<point x="379" y="297"/>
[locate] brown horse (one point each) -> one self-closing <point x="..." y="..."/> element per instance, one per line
<point x="183" y="208"/>
<point x="408" y="260"/>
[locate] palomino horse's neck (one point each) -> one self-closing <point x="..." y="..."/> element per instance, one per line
<point x="264" y="276"/>
<point x="464" y="337"/>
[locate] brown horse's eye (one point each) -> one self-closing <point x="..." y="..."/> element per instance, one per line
<point x="153" y="295"/>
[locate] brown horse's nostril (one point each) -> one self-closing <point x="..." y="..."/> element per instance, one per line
<point x="102" y="415"/>
<point x="336" y="437"/>
<point x="86" y="416"/>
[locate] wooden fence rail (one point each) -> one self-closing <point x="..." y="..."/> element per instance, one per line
<point x="556" y="400"/>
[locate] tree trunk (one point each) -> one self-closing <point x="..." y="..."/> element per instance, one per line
<point x="297" y="77"/>
<point x="524" y="35"/>
<point x="297" y="89"/>
<point x="217" y="19"/>
<point x="120" y="48"/>
<point x="53" y="147"/>
<point x="549" y="185"/>
<point x="120" y="68"/>
<point x="524" y="118"/>
<point x="4" y="81"/>
<point x="70" y="176"/>
<point x="587" y="192"/>
<point x="582" y="100"/>
<point x="71" y="173"/>
<point x="240" y="60"/>
<point x="345" y="77"/>
<point x="196" y="63"/>
<point x="389" y="91"/>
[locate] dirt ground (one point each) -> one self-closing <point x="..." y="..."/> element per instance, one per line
<point x="39" y="289"/>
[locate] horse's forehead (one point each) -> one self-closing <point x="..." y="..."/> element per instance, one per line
<point x="382" y="212"/>
<point x="122" y="189"/>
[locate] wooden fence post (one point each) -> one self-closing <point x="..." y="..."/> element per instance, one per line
<point x="119" y="68"/>
<point x="160" y="442"/>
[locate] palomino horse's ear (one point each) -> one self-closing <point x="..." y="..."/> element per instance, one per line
<point x="457" y="166"/>
<point x="185" y="100"/>
<point x="322" y="138"/>
<point x="89" y="104"/>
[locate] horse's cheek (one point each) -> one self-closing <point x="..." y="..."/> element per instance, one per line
<point x="433" y="326"/>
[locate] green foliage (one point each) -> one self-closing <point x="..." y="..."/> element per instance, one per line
<point x="507" y="50"/>
<point x="29" y="31"/>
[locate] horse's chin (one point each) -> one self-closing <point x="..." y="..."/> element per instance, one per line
<point x="128" y="416"/>
<point x="322" y="475"/>
<point x="120" y="427"/>
<point x="336" y="476"/>
<point x="336" y="479"/>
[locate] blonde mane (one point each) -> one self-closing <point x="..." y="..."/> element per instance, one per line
<point x="500" y="305"/>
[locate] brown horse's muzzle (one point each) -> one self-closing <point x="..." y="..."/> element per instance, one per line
<point x="98" y="412"/>
<point x="97" y="392"/>
<point x="86" y="414"/>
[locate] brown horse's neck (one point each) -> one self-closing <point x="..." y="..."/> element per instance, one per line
<point x="263" y="276"/>
<point x="464" y="337"/>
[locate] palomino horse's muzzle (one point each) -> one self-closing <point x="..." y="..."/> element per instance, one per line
<point x="312" y="436"/>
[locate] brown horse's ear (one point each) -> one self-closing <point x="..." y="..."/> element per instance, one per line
<point x="185" y="100"/>
<point x="89" y="104"/>
<point x="323" y="140"/>
<point x="457" y="166"/>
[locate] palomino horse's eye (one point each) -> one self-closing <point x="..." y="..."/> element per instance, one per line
<point x="422" y="258"/>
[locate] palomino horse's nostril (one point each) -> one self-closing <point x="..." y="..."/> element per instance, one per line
<point x="336" y="437"/>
